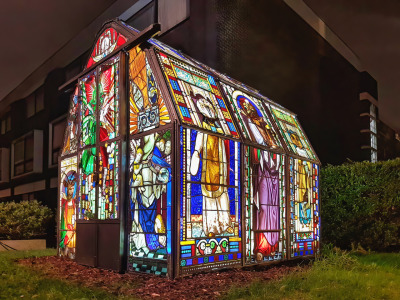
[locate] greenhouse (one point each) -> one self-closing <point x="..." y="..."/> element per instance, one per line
<point x="170" y="167"/>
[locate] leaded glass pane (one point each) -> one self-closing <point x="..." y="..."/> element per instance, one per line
<point x="197" y="97"/>
<point x="292" y="133"/>
<point x="88" y="91"/>
<point x="71" y="131"/>
<point x="150" y="182"/>
<point x="147" y="106"/>
<point x="87" y="180"/>
<point x="68" y="200"/>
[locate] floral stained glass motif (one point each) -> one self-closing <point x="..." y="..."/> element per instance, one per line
<point x="150" y="203"/>
<point x="109" y="100"/>
<point x="304" y="208"/>
<point x="147" y="106"/>
<point x="108" y="41"/>
<point x="88" y="110"/>
<point x="108" y="202"/>
<point x="68" y="200"/>
<point x="292" y="133"/>
<point x="210" y="222"/>
<point x="265" y="202"/>
<point x="197" y="97"/>
<point x="71" y="131"/>
<point x="87" y="180"/>
<point x="252" y="117"/>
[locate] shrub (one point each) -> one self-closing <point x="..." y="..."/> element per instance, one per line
<point x="361" y="205"/>
<point x="23" y="220"/>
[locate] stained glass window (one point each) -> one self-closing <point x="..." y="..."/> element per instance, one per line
<point x="304" y="207"/>
<point x="88" y="89"/>
<point x="265" y="202"/>
<point x="150" y="202"/>
<point x="197" y="97"/>
<point x="147" y="106"/>
<point x="71" y="131"/>
<point x="292" y="133"/>
<point x="68" y="201"/>
<point x="252" y="117"/>
<point x="87" y="180"/>
<point x="109" y="100"/>
<point x="108" y="199"/>
<point x="210" y="229"/>
<point x="108" y="41"/>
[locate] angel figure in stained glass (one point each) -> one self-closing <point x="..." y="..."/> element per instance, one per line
<point x="67" y="216"/>
<point x="211" y="151"/>
<point x="151" y="174"/>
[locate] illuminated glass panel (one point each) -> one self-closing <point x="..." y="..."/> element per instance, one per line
<point x="67" y="205"/>
<point x="150" y="203"/>
<point x="109" y="100"/>
<point x="108" y="199"/>
<point x="108" y="41"/>
<point x="147" y="106"/>
<point x="292" y="133"/>
<point x="87" y="179"/>
<point x="197" y="97"/>
<point x="71" y="131"/>
<point x="210" y="220"/>
<point x="88" y="89"/>
<point x="304" y="208"/>
<point x="265" y="203"/>
<point x="252" y="117"/>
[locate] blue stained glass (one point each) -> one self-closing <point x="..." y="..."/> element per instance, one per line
<point x="83" y="182"/>
<point x="211" y="79"/>
<point x="186" y="254"/>
<point x="189" y="262"/>
<point x="239" y="255"/>
<point x="185" y="111"/>
<point x="200" y="260"/>
<point x="175" y="85"/>
<point x="231" y="127"/>
<point x="232" y="203"/>
<point x="196" y="190"/>
<point x="230" y="256"/>
<point x="211" y="259"/>
<point x="196" y="205"/>
<point x="221" y="257"/>
<point x="221" y="103"/>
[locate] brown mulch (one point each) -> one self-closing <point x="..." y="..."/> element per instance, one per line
<point x="210" y="285"/>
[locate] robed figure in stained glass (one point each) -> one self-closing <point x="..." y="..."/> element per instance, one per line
<point x="151" y="176"/>
<point x="304" y="199"/>
<point x="266" y="200"/>
<point x="67" y="216"/>
<point x="210" y="152"/>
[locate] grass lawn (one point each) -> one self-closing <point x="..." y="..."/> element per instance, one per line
<point x="22" y="283"/>
<point x="337" y="276"/>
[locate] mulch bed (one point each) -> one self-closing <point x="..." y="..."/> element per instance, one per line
<point x="210" y="285"/>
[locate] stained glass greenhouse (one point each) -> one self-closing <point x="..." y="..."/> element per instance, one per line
<point x="170" y="167"/>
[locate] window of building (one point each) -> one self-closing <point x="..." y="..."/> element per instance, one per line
<point x="28" y="196"/>
<point x="6" y="125"/>
<point x="4" y="164"/>
<point x="35" y="103"/>
<point x="56" y="137"/>
<point x="27" y="153"/>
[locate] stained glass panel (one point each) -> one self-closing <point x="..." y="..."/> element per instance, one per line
<point x="252" y="117"/>
<point x="147" y="106"/>
<point x="265" y="201"/>
<point x="71" y="131"/>
<point x="108" y="199"/>
<point x="292" y="133"/>
<point x="304" y="208"/>
<point x="87" y="179"/>
<point x="210" y="229"/>
<point x="197" y="97"/>
<point x="150" y="203"/>
<point x="109" y="100"/>
<point x="108" y="41"/>
<point x="68" y="200"/>
<point x="88" y="91"/>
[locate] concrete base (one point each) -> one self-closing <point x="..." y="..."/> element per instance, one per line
<point x="24" y="244"/>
